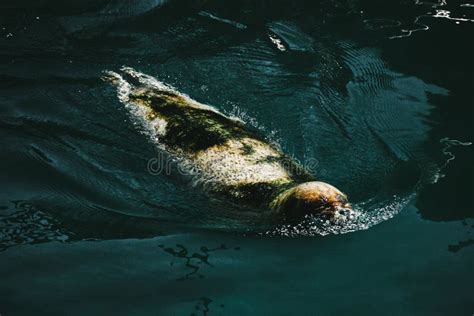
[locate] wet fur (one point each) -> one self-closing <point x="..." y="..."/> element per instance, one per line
<point x="231" y="160"/>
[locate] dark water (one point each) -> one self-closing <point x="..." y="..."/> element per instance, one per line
<point x="378" y="93"/>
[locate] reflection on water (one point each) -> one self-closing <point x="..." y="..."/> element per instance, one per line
<point x="395" y="29"/>
<point x="23" y="224"/>
<point x="460" y="245"/>
<point x="202" y="306"/>
<point x="448" y="143"/>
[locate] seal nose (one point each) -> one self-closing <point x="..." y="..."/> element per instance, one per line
<point x="345" y="213"/>
<point x="341" y="212"/>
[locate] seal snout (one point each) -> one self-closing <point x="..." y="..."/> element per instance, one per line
<point x="342" y="213"/>
<point x="313" y="198"/>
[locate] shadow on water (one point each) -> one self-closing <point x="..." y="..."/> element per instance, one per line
<point x="193" y="261"/>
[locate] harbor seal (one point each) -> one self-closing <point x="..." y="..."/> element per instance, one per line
<point x="227" y="158"/>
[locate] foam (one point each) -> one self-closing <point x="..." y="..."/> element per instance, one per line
<point x="363" y="217"/>
<point x="153" y="128"/>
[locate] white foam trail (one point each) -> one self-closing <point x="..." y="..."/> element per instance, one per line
<point x="152" y="82"/>
<point x="138" y="114"/>
<point x="363" y="218"/>
<point x="123" y="87"/>
<point x="147" y="80"/>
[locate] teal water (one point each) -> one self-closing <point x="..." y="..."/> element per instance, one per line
<point x="378" y="94"/>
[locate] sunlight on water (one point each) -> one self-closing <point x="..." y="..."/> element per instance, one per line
<point x="449" y="156"/>
<point x="435" y="10"/>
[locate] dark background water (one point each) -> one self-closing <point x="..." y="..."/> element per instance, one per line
<point x="380" y="93"/>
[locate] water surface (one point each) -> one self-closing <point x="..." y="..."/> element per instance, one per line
<point x="378" y="95"/>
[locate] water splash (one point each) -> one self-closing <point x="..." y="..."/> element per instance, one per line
<point x="365" y="216"/>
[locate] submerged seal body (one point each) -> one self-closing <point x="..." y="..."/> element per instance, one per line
<point x="230" y="160"/>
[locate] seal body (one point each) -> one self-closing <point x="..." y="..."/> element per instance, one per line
<point x="223" y="156"/>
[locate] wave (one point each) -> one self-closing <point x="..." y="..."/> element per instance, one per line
<point x="112" y="12"/>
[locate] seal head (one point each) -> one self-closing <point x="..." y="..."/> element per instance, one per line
<point x="312" y="198"/>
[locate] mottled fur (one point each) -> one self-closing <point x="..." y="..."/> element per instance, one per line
<point x="231" y="160"/>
